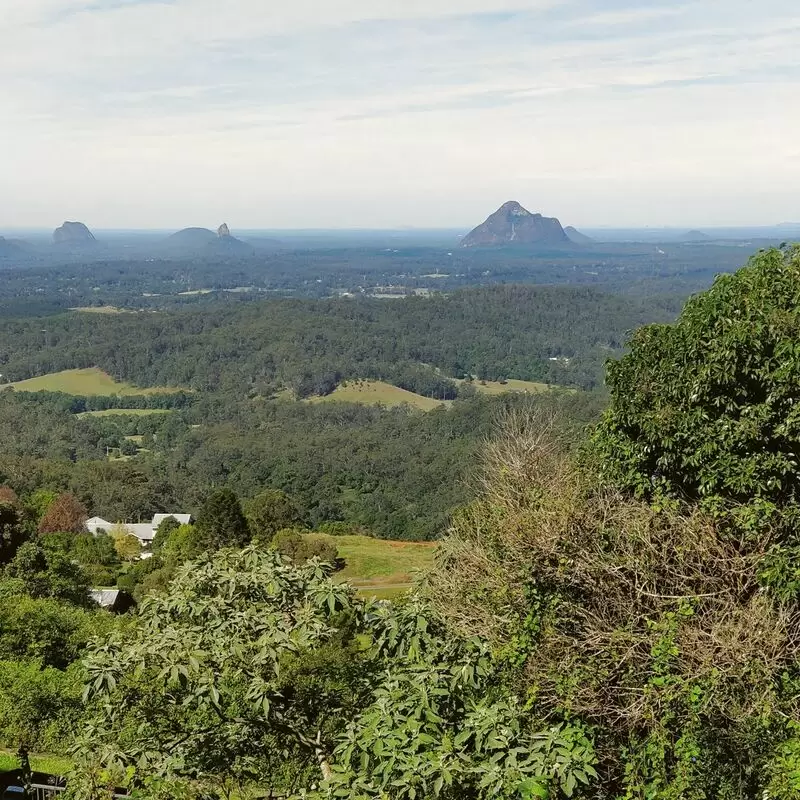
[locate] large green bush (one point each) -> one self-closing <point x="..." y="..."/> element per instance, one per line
<point x="709" y="408"/>
<point x="39" y="707"/>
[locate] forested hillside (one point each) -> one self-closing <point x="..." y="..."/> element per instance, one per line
<point x="397" y="473"/>
<point x="555" y="335"/>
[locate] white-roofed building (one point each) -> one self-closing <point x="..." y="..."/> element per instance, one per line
<point x="97" y="525"/>
<point x="145" y="532"/>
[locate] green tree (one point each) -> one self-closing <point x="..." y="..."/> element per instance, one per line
<point x="183" y="544"/>
<point x="12" y="534"/>
<point x="221" y="522"/>
<point x="40" y="573"/>
<point x="709" y="408"/>
<point x="301" y="546"/>
<point x="38" y="502"/>
<point x="664" y="631"/>
<point x="165" y="528"/>
<point x="39" y="707"/>
<point x="270" y="512"/>
<point x="45" y="630"/>
<point x="98" y="557"/>
<point x="128" y="547"/>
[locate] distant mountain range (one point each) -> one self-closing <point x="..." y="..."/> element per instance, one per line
<point x="512" y="224"/>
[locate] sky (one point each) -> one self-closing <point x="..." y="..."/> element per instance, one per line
<point x="398" y="113"/>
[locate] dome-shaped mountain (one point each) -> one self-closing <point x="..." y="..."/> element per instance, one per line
<point x="513" y="224"/>
<point x="203" y="241"/>
<point x="192" y="237"/>
<point x="72" y="233"/>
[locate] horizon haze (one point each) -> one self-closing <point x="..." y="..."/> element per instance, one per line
<point x="357" y="114"/>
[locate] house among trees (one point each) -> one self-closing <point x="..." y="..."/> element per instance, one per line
<point x="145" y="532"/>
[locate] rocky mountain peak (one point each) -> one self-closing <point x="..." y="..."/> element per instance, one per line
<point x="73" y="233"/>
<point x="223" y="231"/>
<point x="514" y="224"/>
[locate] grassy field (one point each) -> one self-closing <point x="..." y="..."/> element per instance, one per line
<point x="380" y="393"/>
<point x="377" y="393"/>
<point x="382" y="568"/>
<point x="128" y="412"/>
<point x="101" y="310"/>
<point x="54" y="765"/>
<point x="85" y="383"/>
<point x="495" y="387"/>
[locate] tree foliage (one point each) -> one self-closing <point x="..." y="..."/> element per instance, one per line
<point x="271" y="511"/>
<point x="300" y="546"/>
<point x="250" y="661"/>
<point x="40" y="573"/>
<point x="127" y="546"/>
<point x="221" y="522"/>
<point x="708" y="408"/>
<point x="12" y="534"/>
<point x="39" y="707"/>
<point x="65" y="514"/>
<point x="46" y="630"/>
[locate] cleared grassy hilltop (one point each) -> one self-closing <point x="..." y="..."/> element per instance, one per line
<point x="90" y="382"/>
<point x="380" y="393"/>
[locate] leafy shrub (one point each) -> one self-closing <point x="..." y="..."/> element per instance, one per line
<point x="709" y="408"/>
<point x="301" y="546"/>
<point x="39" y="708"/>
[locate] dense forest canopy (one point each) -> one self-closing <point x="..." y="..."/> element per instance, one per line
<point x="397" y="472"/>
<point x="557" y="335"/>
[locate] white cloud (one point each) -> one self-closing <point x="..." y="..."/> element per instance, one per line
<point x="392" y="113"/>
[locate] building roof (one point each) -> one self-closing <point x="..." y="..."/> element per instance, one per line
<point x="183" y="519"/>
<point x="143" y="531"/>
<point x="97" y="522"/>
<point x="112" y="599"/>
<point x="104" y="597"/>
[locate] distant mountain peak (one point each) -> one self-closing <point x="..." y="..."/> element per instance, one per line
<point x="514" y="224"/>
<point x="73" y="233"/>
<point x="515" y="209"/>
<point x="223" y="230"/>
<point x="695" y="236"/>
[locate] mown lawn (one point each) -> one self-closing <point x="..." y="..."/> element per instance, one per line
<point x="495" y="387"/>
<point x="381" y="567"/>
<point x="380" y="393"/>
<point x="101" y="310"/>
<point x="85" y="383"/>
<point x="54" y="765"/>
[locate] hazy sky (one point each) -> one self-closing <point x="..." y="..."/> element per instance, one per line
<point x="387" y="113"/>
